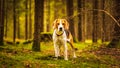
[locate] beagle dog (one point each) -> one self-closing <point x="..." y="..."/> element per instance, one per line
<point x="61" y="36"/>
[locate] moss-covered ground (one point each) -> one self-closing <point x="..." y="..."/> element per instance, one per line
<point x="88" y="56"/>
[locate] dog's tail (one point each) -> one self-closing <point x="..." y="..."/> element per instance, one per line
<point x="68" y="33"/>
<point x="71" y="44"/>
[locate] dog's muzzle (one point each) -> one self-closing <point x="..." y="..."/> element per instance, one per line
<point x="60" y="29"/>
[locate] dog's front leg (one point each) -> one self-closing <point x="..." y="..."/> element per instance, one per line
<point x="56" y="51"/>
<point x="65" y="52"/>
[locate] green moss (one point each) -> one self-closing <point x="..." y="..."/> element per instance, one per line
<point x="21" y="56"/>
<point x="46" y="32"/>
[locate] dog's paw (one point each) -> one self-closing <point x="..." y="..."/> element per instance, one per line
<point x="55" y="58"/>
<point x="68" y="40"/>
<point x="66" y="58"/>
<point x="74" y="56"/>
<point x="75" y="49"/>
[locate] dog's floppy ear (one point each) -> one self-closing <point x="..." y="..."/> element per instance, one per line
<point x="55" y="24"/>
<point x="66" y="24"/>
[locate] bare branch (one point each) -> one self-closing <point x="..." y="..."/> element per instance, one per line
<point x="106" y="12"/>
<point x="110" y="16"/>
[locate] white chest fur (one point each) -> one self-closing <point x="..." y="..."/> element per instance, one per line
<point x="59" y="40"/>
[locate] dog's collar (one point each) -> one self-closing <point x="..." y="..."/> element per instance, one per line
<point x="59" y="34"/>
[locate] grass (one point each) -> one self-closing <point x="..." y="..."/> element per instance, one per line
<point x="21" y="56"/>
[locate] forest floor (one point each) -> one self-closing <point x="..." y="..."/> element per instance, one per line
<point x="88" y="56"/>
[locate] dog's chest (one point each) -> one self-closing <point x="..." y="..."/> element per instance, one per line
<point x="60" y="40"/>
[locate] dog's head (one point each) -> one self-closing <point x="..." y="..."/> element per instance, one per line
<point x="61" y="24"/>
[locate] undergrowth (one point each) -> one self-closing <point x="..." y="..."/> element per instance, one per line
<point x="88" y="56"/>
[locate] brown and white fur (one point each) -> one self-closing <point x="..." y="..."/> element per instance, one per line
<point x="61" y="36"/>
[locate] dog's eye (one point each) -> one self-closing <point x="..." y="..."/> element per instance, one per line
<point x="57" y="23"/>
<point x="63" y="23"/>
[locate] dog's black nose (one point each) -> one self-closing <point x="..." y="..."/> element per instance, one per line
<point x="60" y="28"/>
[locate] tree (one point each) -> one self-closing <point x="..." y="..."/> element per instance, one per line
<point x="37" y="24"/>
<point x="82" y="18"/>
<point x="6" y="17"/>
<point x="95" y="19"/>
<point x="103" y="21"/>
<point x="47" y="24"/>
<point x="69" y="14"/>
<point x="26" y="20"/>
<point x="30" y="20"/>
<point x="1" y="21"/>
<point x="116" y="36"/>
<point x="14" y="20"/>
<point x="18" y="24"/>
<point x="48" y="19"/>
<point x="79" y="21"/>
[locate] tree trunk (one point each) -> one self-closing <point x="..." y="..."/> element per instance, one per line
<point x="48" y="16"/>
<point x="30" y="20"/>
<point x="38" y="24"/>
<point x="55" y="8"/>
<point x="69" y="14"/>
<point x="79" y="20"/>
<point x="95" y="19"/>
<point x="18" y="25"/>
<point x="103" y="21"/>
<point x="14" y="21"/>
<point x="116" y="37"/>
<point x="26" y="20"/>
<point x="6" y="18"/>
<point x="83" y="25"/>
<point x="1" y="21"/>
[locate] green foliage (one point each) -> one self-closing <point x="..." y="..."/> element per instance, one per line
<point x="20" y="16"/>
<point x="21" y="56"/>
